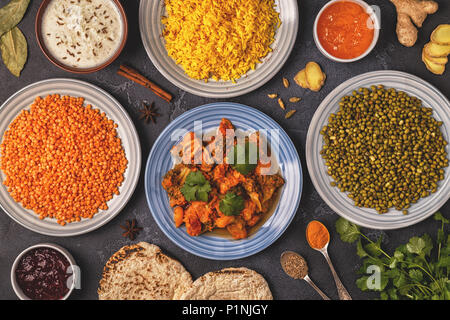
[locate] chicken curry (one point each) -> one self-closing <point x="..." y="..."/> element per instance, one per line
<point x="216" y="192"/>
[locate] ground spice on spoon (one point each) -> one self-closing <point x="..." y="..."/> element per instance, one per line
<point x="317" y="235"/>
<point x="294" y="265"/>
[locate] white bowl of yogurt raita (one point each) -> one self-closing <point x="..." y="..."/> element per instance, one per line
<point x="81" y="36"/>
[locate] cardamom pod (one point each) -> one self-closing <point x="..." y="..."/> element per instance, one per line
<point x="290" y="114"/>
<point x="281" y="103"/>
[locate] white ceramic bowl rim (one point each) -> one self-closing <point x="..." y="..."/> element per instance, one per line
<point x="151" y="29"/>
<point x="376" y="20"/>
<point x="338" y="201"/>
<point x="57" y="62"/>
<point x="18" y="290"/>
<point x="126" y="130"/>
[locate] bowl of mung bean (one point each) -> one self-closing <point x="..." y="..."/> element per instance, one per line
<point x="377" y="150"/>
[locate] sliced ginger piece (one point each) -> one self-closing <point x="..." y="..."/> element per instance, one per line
<point x="437" y="60"/>
<point x="315" y="77"/>
<point x="436" y="50"/>
<point x="441" y="35"/>
<point x="433" y="67"/>
<point x="314" y="80"/>
<point x="300" y="79"/>
<point x="410" y="12"/>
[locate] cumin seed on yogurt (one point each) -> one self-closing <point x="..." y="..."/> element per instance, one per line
<point x="82" y="33"/>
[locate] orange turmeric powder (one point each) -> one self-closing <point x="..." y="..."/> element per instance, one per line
<point x="317" y="235"/>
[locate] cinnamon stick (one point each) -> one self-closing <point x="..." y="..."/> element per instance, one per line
<point x="135" y="76"/>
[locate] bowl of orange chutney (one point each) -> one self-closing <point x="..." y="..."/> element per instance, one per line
<point x="346" y="30"/>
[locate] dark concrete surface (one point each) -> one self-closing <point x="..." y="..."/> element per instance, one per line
<point x="92" y="250"/>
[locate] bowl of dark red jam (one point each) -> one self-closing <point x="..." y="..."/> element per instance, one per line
<point x="43" y="272"/>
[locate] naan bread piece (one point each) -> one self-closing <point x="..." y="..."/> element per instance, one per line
<point x="229" y="284"/>
<point x="142" y="272"/>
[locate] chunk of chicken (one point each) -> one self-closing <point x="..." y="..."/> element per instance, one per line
<point x="253" y="192"/>
<point x="249" y="213"/>
<point x="178" y="216"/>
<point x="193" y="224"/>
<point x="195" y="215"/>
<point x="172" y="182"/>
<point x="269" y="184"/>
<point x="222" y="221"/>
<point x="225" y="127"/>
<point x="237" y="229"/>
<point x="189" y="149"/>
<point x="226" y="177"/>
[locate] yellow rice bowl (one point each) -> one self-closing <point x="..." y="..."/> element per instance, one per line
<point x="219" y="39"/>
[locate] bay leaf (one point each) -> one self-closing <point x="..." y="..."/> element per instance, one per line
<point x="12" y="14"/>
<point x="13" y="46"/>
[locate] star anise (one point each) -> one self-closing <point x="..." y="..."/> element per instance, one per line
<point x="149" y="112"/>
<point x="131" y="229"/>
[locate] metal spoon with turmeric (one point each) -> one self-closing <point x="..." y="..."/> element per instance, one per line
<point x="296" y="267"/>
<point x="318" y="238"/>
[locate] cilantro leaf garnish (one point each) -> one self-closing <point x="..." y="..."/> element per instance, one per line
<point x="196" y="187"/>
<point x="251" y="153"/>
<point x="231" y="204"/>
<point x="348" y="231"/>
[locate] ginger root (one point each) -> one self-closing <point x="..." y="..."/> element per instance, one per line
<point x="312" y="77"/>
<point x="409" y="11"/>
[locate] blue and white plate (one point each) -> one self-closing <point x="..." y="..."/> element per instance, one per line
<point x="212" y="246"/>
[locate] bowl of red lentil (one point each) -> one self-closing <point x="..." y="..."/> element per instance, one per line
<point x="69" y="157"/>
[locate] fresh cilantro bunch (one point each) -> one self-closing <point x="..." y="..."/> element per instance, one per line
<point x="414" y="271"/>
<point x="196" y="187"/>
<point x="232" y="204"/>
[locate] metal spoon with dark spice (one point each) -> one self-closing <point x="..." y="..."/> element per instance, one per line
<point x="296" y="267"/>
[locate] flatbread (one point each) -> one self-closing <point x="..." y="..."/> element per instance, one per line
<point x="142" y="272"/>
<point x="229" y="284"/>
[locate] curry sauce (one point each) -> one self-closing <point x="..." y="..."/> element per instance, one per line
<point x="219" y="196"/>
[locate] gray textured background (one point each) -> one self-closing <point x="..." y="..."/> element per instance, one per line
<point x="92" y="250"/>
